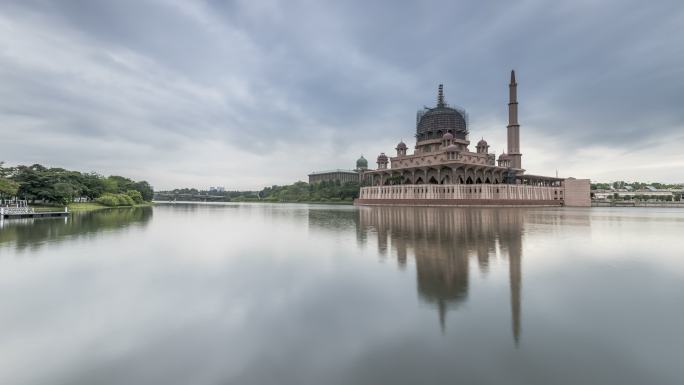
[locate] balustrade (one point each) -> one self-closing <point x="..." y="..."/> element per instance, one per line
<point x="462" y="191"/>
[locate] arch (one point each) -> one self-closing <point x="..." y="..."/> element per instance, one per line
<point x="407" y="180"/>
<point x="478" y="180"/>
<point x="418" y="174"/>
<point x="431" y="173"/>
<point x="469" y="180"/>
<point x="487" y="181"/>
<point x="432" y="180"/>
<point x="445" y="175"/>
<point x="469" y="173"/>
<point x="460" y="180"/>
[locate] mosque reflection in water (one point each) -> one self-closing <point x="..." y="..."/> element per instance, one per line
<point x="444" y="241"/>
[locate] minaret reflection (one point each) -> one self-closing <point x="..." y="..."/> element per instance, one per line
<point x="443" y="241"/>
<point x="511" y="245"/>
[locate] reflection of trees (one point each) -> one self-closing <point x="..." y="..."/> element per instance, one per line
<point x="343" y="218"/>
<point x="34" y="232"/>
<point x="443" y="240"/>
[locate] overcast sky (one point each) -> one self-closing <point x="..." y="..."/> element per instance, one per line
<point x="251" y="93"/>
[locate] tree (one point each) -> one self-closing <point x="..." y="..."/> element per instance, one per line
<point x="58" y="185"/>
<point x="123" y="184"/>
<point x="62" y="193"/>
<point x="135" y="195"/>
<point x="8" y="188"/>
<point x="94" y="185"/>
<point x="144" y="189"/>
<point x="5" y="172"/>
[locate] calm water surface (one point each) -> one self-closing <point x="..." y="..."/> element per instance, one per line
<point x="296" y="294"/>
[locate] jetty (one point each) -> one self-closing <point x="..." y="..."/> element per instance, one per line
<point x="24" y="211"/>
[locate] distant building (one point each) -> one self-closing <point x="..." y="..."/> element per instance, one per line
<point x="217" y="189"/>
<point x="642" y="194"/>
<point x="342" y="176"/>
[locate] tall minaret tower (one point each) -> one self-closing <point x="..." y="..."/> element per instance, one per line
<point x="513" y="126"/>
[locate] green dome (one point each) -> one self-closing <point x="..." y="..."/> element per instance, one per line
<point x="362" y="162"/>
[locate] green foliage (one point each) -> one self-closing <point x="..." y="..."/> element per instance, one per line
<point x="145" y="190"/>
<point x="135" y="195"/>
<point x="8" y="188"/>
<point x="108" y="199"/>
<point x="193" y="194"/>
<point x="114" y="200"/>
<point x="318" y="192"/>
<point x="63" y="192"/>
<point x="600" y="186"/>
<point x="125" y="200"/>
<point x="60" y="186"/>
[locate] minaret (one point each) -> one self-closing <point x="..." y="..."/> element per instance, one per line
<point x="513" y="126"/>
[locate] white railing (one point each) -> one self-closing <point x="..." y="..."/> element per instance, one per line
<point x="463" y="191"/>
<point x="16" y="210"/>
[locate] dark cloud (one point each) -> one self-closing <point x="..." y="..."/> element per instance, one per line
<point x="184" y="92"/>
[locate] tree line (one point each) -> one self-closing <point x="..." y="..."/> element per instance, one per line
<point x="634" y="185"/>
<point x="329" y="191"/>
<point x="37" y="183"/>
<point x="193" y="194"/>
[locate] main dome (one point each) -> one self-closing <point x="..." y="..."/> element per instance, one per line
<point x="432" y="123"/>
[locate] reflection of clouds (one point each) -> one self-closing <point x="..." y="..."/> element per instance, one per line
<point x="33" y="233"/>
<point x="442" y="241"/>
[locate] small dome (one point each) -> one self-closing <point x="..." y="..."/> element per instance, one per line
<point x="452" y="148"/>
<point x="448" y="136"/>
<point x="382" y="158"/>
<point x="503" y="156"/>
<point x="401" y="146"/>
<point x="361" y="162"/>
<point x="482" y="143"/>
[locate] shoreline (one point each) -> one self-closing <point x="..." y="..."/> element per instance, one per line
<point x="340" y="203"/>
<point x="84" y="207"/>
<point x="677" y="205"/>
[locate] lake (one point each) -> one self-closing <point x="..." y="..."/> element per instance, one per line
<point x="317" y="294"/>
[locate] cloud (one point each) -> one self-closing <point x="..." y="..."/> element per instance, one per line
<point x="247" y="94"/>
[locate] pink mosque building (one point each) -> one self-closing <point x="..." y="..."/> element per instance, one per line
<point x="442" y="170"/>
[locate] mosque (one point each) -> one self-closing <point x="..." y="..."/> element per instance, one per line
<point x="442" y="170"/>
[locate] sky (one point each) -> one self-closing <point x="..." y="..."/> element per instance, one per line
<point x="247" y="94"/>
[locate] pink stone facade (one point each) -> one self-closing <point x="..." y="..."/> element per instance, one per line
<point x="577" y="192"/>
<point x="462" y="195"/>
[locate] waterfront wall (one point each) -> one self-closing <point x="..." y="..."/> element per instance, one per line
<point x="466" y="195"/>
<point x="457" y="202"/>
